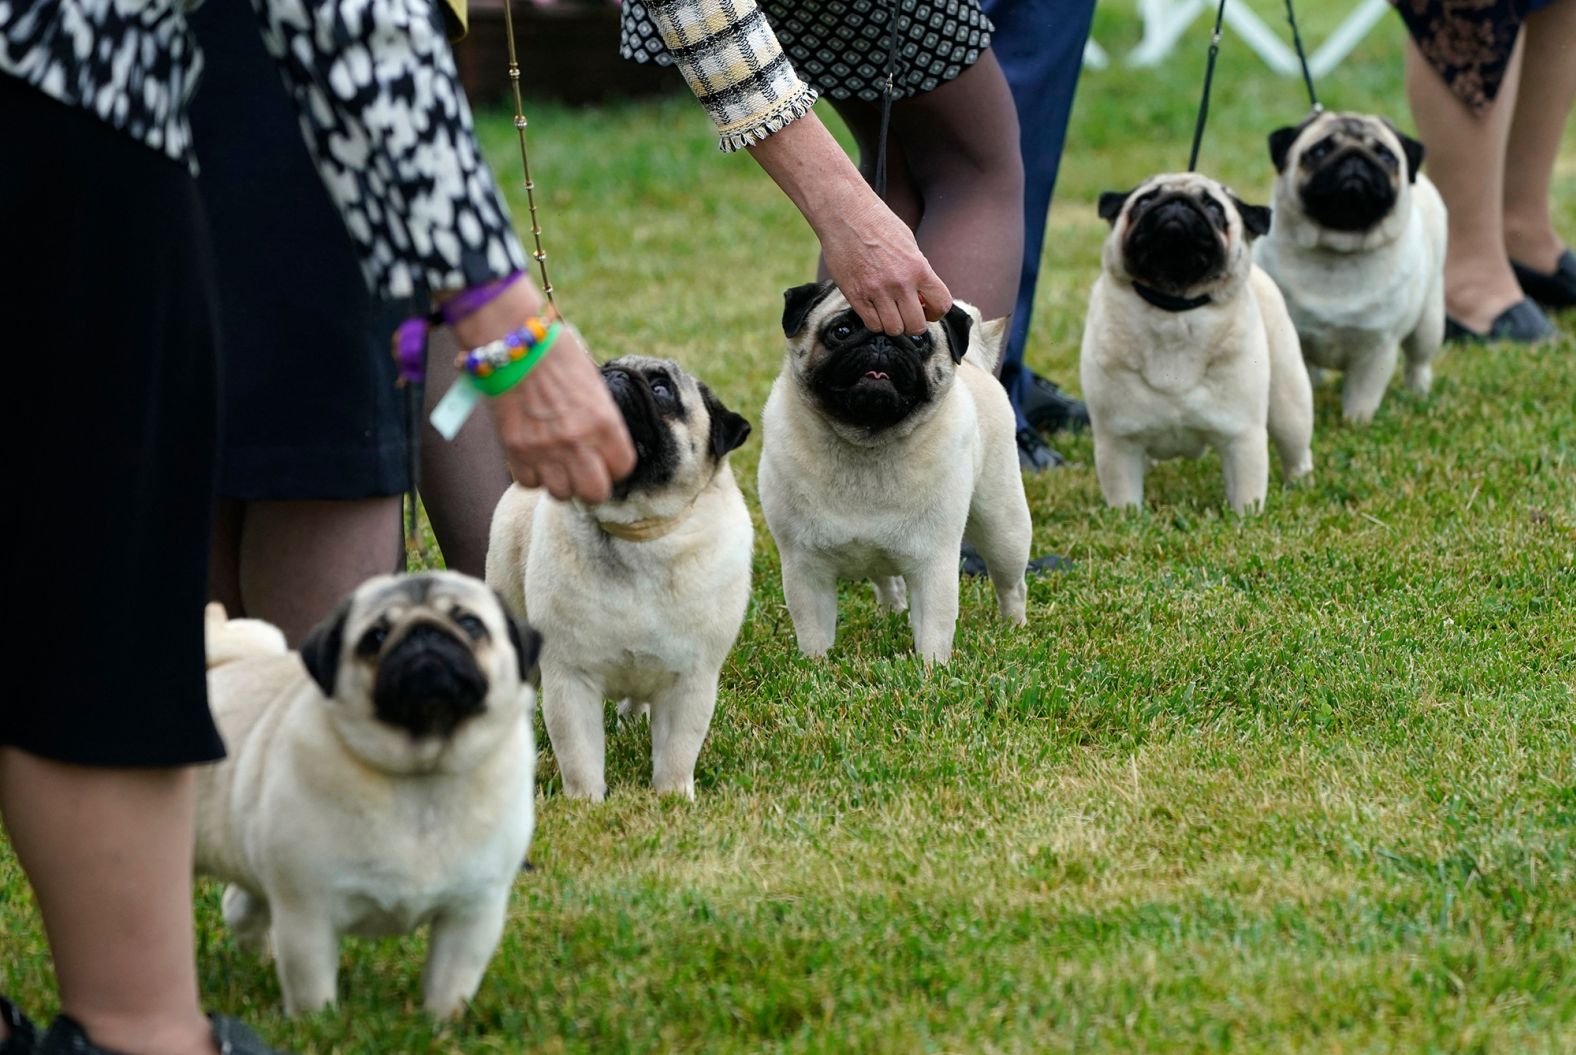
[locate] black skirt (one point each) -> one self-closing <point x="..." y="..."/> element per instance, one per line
<point x="111" y="418"/>
<point x="309" y="407"/>
<point x="840" y="49"/>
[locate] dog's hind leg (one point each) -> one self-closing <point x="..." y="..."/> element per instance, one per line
<point x="247" y="916"/>
<point x="572" y="712"/>
<point x="1001" y="530"/>
<point x="891" y="592"/>
<point x="460" y="947"/>
<point x="680" y="717"/>
<point x="1424" y="342"/>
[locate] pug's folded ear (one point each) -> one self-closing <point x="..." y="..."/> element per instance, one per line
<point x="1111" y="203"/>
<point x="957" y="323"/>
<point x="799" y="301"/>
<point x="1412" y="148"/>
<point x="1255" y="218"/>
<point x="320" y="651"/>
<point x="728" y="430"/>
<point x="1280" y="144"/>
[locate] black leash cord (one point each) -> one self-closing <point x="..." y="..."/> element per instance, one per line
<point x="1302" y="57"/>
<point x="886" y="103"/>
<point x="1209" y="79"/>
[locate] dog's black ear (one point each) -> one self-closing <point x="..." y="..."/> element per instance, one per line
<point x="527" y="643"/>
<point x="1255" y="218"/>
<point x="957" y="323"/>
<point x="728" y="430"/>
<point x="1413" y="150"/>
<point x="320" y="651"/>
<point x="1111" y="203"/>
<point x="798" y="302"/>
<point x="1280" y="144"/>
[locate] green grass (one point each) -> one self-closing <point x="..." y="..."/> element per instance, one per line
<point x="1303" y="783"/>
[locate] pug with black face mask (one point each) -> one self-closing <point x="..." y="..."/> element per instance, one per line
<point x="880" y="455"/>
<point x="1358" y="249"/>
<point x="645" y="592"/>
<point x="1188" y="345"/>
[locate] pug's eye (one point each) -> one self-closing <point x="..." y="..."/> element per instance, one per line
<point x="842" y="331"/>
<point x="917" y="340"/>
<point x="1217" y="210"/>
<point x="661" y="389"/>
<point x="1320" y="150"/>
<point x="470" y="623"/>
<point x="1389" y="160"/>
<point x="1145" y="199"/>
<point x="371" y="642"/>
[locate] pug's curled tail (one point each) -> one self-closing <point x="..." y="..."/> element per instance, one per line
<point x="227" y="640"/>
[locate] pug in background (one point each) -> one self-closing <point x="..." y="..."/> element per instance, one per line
<point x="1187" y="344"/>
<point x="645" y="592"/>
<point x="880" y="455"/>
<point x="379" y="780"/>
<point x="1358" y="249"/>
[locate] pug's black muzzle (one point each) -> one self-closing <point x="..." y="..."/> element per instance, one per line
<point x="428" y="683"/>
<point x="874" y="384"/>
<point x="654" y="454"/>
<point x="1173" y="245"/>
<point x="1350" y="192"/>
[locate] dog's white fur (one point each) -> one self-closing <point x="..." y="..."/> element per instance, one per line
<point x="1359" y="298"/>
<point x="325" y="823"/>
<point x="647" y="622"/>
<point x="1163" y="384"/>
<point x="895" y="508"/>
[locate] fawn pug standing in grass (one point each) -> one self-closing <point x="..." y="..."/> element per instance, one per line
<point x="382" y="779"/>
<point x="646" y="592"/>
<point x="1358" y="250"/>
<point x="879" y="456"/>
<point x="1187" y="344"/>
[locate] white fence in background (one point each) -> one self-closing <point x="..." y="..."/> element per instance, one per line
<point x="1166" y="20"/>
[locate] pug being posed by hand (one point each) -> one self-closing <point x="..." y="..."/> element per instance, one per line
<point x="1358" y="249"/>
<point x="1187" y="344"/>
<point x="377" y="781"/>
<point x="879" y="456"/>
<point x="645" y="593"/>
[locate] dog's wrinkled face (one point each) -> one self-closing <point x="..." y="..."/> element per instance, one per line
<point x="1346" y="172"/>
<point x="1182" y="234"/>
<point x="422" y="671"/>
<point x="867" y="384"/>
<point x="680" y="429"/>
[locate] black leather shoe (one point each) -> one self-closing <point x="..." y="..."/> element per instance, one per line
<point x="1556" y="289"/>
<point x="1522" y="322"/>
<point x="66" y="1037"/>
<point x="1049" y="409"/>
<point x="1034" y="455"/>
<point x="970" y="563"/>
<point x="21" y="1037"/>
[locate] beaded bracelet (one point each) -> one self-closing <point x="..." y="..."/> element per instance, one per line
<point x="499" y="366"/>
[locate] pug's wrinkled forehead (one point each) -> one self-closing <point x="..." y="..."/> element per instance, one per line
<point x="434" y="593"/>
<point x="1319" y="138"/>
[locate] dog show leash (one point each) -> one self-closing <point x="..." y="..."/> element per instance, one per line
<point x="1302" y="59"/>
<point x="1209" y="80"/>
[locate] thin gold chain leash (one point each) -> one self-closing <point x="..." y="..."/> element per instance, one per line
<point x="525" y="160"/>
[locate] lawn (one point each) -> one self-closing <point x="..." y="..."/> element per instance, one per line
<point x="1300" y="783"/>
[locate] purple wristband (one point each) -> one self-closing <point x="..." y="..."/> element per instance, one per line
<point x="410" y="340"/>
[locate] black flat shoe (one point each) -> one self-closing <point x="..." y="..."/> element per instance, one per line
<point x="66" y="1037"/>
<point x="1522" y="322"/>
<point x="1556" y="289"/>
<point x="1034" y="455"/>
<point x="1049" y="409"/>
<point x="22" y="1036"/>
<point x="970" y="563"/>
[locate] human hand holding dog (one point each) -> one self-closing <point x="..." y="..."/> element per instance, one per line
<point x="559" y="427"/>
<point x="870" y="253"/>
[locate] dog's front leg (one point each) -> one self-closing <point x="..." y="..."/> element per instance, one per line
<point x="1367" y="377"/>
<point x="1246" y="460"/>
<point x="307" y="949"/>
<point x="933" y="608"/>
<point x="810" y="589"/>
<point x="461" y="946"/>
<point x="572" y="711"/>
<point x="1120" y="465"/>
<point x="680" y="717"/>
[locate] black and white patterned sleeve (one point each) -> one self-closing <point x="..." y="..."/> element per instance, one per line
<point x="386" y="120"/>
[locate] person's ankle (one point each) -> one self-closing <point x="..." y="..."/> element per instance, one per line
<point x="1475" y="300"/>
<point x="1533" y="244"/>
<point x="141" y="1035"/>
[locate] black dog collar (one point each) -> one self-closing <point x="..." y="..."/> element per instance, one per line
<point x="1166" y="302"/>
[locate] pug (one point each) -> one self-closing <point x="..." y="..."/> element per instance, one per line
<point x="879" y="456"/>
<point x="1187" y="344"/>
<point x="1358" y="249"/>
<point x="380" y="779"/>
<point x="645" y="592"/>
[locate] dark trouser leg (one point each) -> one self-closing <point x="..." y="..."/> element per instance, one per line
<point x="1039" y="44"/>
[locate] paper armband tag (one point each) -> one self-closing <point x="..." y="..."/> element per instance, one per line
<point x="455" y="407"/>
